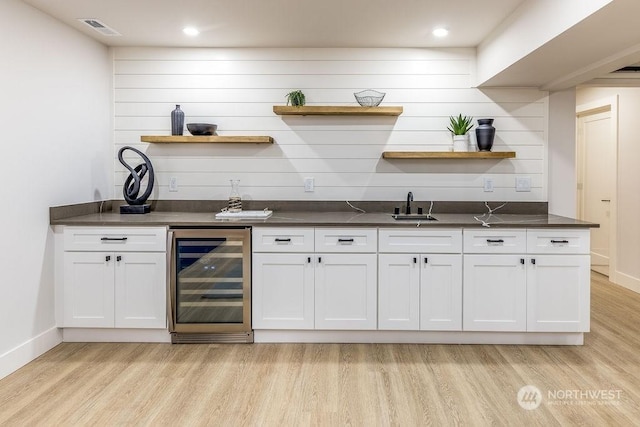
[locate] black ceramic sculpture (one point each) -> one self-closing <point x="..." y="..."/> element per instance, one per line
<point x="133" y="183"/>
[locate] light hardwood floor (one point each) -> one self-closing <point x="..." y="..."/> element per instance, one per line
<point x="337" y="384"/>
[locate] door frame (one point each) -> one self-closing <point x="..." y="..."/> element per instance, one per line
<point x="599" y="106"/>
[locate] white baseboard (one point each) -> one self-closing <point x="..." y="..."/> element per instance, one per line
<point x="19" y="356"/>
<point x="627" y="281"/>
<point x="418" y="337"/>
<point x="115" y="335"/>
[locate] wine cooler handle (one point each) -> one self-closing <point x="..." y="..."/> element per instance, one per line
<point x="171" y="309"/>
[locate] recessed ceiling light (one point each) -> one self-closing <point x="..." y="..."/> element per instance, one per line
<point x="191" y="31"/>
<point x="440" y="32"/>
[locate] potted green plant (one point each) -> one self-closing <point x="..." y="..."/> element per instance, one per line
<point x="459" y="127"/>
<point x="296" y="98"/>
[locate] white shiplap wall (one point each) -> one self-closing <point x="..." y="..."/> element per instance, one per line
<point x="237" y="88"/>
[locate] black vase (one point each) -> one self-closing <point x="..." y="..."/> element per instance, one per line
<point x="177" y="121"/>
<point x="485" y="133"/>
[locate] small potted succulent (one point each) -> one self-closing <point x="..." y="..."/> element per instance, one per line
<point x="460" y="127"/>
<point x="296" y="98"/>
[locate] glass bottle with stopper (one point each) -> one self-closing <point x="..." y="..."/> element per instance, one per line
<point x="235" y="201"/>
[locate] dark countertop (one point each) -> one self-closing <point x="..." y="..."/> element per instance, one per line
<point x="334" y="219"/>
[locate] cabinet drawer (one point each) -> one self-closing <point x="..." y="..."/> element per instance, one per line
<point x="274" y="239"/>
<point x="420" y="241"/>
<point x="558" y="241"/>
<point x="494" y="241"/>
<point x="139" y="239"/>
<point x="346" y="240"/>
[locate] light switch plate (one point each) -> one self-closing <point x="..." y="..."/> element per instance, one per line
<point x="488" y="185"/>
<point x="523" y="183"/>
<point x="173" y="184"/>
<point x="309" y="184"/>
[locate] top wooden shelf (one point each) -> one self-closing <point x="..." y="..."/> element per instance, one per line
<point x="448" y="154"/>
<point x="207" y="138"/>
<point x="325" y="110"/>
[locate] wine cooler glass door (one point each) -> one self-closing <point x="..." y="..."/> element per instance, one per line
<point x="212" y="282"/>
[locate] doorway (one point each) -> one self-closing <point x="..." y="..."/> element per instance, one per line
<point x="597" y="171"/>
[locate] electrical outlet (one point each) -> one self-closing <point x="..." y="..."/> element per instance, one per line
<point x="488" y="185"/>
<point x="173" y="184"/>
<point x="309" y="184"/>
<point x="523" y="183"/>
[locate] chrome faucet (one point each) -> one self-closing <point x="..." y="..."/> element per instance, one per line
<point x="409" y="200"/>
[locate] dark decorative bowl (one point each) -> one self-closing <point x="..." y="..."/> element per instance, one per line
<point x="369" y="98"/>
<point x="202" y="128"/>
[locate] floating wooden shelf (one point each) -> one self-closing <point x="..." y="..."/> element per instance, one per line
<point x="448" y="155"/>
<point x="209" y="139"/>
<point x="323" y="110"/>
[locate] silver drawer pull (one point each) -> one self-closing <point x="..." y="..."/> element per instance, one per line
<point x="113" y="239"/>
<point x="283" y="240"/>
<point x="559" y="241"/>
<point x="345" y="240"/>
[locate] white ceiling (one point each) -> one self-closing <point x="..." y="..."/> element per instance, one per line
<point x="589" y="48"/>
<point x="285" y="23"/>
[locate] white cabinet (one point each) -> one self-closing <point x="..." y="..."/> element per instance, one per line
<point x="420" y="290"/>
<point x="495" y="293"/>
<point x="558" y="281"/>
<point x="306" y="278"/>
<point x="538" y="282"/>
<point x="107" y="283"/>
<point x="283" y="291"/>
<point x="346" y="291"/>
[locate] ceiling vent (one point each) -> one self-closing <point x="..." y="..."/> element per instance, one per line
<point x="100" y="27"/>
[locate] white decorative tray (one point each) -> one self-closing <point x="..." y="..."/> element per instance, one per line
<point x="244" y="215"/>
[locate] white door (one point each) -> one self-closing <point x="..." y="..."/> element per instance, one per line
<point x="558" y="293"/>
<point x="494" y="293"/>
<point x="398" y="292"/>
<point x="596" y="181"/>
<point x="88" y="290"/>
<point x="282" y="291"/>
<point x="140" y="290"/>
<point x="441" y="292"/>
<point x="346" y="291"/>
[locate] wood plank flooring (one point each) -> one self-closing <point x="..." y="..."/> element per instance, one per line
<point x="338" y="384"/>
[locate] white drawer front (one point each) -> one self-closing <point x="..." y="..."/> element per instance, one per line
<point x="444" y="241"/>
<point x="138" y="239"/>
<point x="559" y="241"/>
<point x="494" y="241"/>
<point x="346" y="240"/>
<point x="275" y="239"/>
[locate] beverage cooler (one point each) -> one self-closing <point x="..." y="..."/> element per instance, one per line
<point x="210" y="285"/>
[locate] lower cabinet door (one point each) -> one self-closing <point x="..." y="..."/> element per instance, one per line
<point x="140" y="290"/>
<point x="441" y="292"/>
<point x="494" y="293"/>
<point x="282" y="287"/>
<point x="558" y="288"/>
<point x="398" y="292"/>
<point x="346" y="291"/>
<point x="88" y="290"/>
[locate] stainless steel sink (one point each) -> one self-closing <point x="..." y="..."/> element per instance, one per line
<point x="414" y="217"/>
